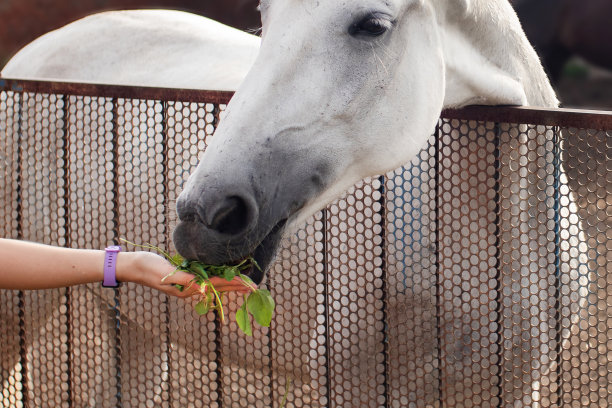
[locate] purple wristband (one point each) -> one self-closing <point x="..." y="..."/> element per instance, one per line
<point x="110" y="261"/>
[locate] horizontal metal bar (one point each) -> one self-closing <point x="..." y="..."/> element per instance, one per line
<point x="578" y="118"/>
<point x="116" y="91"/>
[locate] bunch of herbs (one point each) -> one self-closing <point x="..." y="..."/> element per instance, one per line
<point x="257" y="303"/>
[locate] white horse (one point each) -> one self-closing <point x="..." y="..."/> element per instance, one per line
<point x="339" y="91"/>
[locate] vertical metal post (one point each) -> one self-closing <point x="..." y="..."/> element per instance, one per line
<point x="383" y="278"/>
<point x="498" y="274"/>
<point x="66" y="168"/>
<point x="437" y="263"/>
<point x="21" y="295"/>
<point x="218" y="360"/>
<point x="164" y="155"/>
<point x="557" y="225"/>
<point x="115" y="184"/>
<point x="166" y="226"/>
<point x="328" y="377"/>
<point x="19" y="98"/>
<point x="68" y="237"/>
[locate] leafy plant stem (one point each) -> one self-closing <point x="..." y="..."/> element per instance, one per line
<point x="287" y="385"/>
<point x="149" y="246"/>
<point x="219" y="302"/>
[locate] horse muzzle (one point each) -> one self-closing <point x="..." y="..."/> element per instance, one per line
<point x="229" y="213"/>
<point x="223" y="227"/>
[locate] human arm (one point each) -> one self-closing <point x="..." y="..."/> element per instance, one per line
<point x="27" y="265"/>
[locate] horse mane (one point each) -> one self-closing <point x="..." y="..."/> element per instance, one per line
<point x="495" y="30"/>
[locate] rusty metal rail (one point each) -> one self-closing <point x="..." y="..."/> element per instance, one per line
<point x="578" y="118"/>
<point x="478" y="275"/>
<point x="115" y="91"/>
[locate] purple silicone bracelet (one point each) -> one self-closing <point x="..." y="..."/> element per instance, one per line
<point x="110" y="261"/>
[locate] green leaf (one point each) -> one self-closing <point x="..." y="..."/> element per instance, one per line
<point x="242" y="318"/>
<point x="176" y="260"/>
<point x="230" y="273"/>
<point x="201" y="307"/>
<point x="246" y="279"/>
<point x="216" y="270"/>
<point x="198" y="269"/>
<point x="265" y="294"/>
<point x="261" y="305"/>
<point x="209" y="298"/>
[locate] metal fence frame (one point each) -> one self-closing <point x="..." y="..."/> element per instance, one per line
<point x="554" y="118"/>
<point x="578" y="118"/>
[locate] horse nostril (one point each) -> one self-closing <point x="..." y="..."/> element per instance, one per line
<point x="230" y="216"/>
<point x="186" y="212"/>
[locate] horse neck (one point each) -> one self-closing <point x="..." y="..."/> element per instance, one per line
<point x="491" y="33"/>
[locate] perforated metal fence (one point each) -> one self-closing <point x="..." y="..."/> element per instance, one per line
<point x="478" y="275"/>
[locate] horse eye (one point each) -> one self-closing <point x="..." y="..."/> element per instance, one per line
<point x="370" y="26"/>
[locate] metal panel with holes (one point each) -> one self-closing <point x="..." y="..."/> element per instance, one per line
<point x="477" y="275"/>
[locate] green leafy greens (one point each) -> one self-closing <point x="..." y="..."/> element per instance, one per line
<point x="258" y="302"/>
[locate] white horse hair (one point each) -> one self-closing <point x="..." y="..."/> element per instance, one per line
<point x="157" y="48"/>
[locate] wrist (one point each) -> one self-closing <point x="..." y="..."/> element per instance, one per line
<point x="110" y="266"/>
<point x="126" y="267"/>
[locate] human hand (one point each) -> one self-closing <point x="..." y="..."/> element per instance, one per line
<point x="149" y="269"/>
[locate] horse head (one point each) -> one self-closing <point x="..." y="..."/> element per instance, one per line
<point x="342" y="90"/>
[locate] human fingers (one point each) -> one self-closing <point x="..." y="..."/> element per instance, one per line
<point x="173" y="283"/>
<point x="186" y="285"/>
<point x="171" y="290"/>
<point x="235" y="285"/>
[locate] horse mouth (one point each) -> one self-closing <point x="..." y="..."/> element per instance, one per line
<point x="264" y="253"/>
<point x="188" y="236"/>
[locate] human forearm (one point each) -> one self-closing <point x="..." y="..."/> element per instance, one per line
<point x="27" y="265"/>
